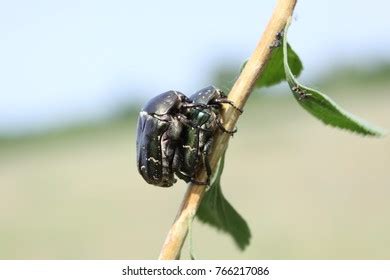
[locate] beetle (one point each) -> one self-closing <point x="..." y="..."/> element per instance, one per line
<point x="196" y="141"/>
<point x="158" y="130"/>
<point x="160" y="124"/>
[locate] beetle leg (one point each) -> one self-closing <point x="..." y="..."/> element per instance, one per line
<point x="183" y="176"/>
<point x="199" y="182"/>
<point x="231" y="132"/>
<point x="227" y="101"/>
<point x="195" y="105"/>
<point x="189" y="179"/>
<point x="163" y="118"/>
<point x="184" y="120"/>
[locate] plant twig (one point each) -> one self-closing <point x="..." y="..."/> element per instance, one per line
<point x="239" y="95"/>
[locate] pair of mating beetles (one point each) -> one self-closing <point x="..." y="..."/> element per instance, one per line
<point x="175" y="134"/>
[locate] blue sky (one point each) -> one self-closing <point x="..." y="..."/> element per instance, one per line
<point x="62" y="61"/>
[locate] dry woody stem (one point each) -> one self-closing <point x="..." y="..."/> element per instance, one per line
<point x="239" y="95"/>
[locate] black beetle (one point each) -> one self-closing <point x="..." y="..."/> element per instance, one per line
<point x="196" y="141"/>
<point x="160" y="124"/>
<point x="158" y="131"/>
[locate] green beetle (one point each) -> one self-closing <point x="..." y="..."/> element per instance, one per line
<point x="196" y="141"/>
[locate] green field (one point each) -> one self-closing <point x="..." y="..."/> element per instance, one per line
<point x="307" y="190"/>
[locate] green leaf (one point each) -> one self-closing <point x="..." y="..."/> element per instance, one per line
<point x="274" y="71"/>
<point x="216" y="211"/>
<point x="321" y="106"/>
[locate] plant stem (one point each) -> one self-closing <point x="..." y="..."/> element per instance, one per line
<point x="239" y="94"/>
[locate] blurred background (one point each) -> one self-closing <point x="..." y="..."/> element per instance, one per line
<point x="74" y="75"/>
